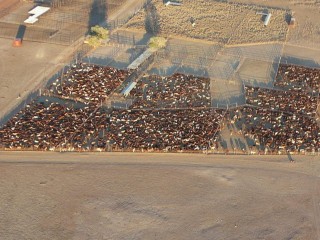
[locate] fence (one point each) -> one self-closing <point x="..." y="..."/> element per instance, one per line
<point x="228" y="100"/>
<point x="300" y="62"/>
<point x="103" y="59"/>
<point x="166" y="65"/>
<point x="61" y="37"/>
<point x="122" y="104"/>
<point x="49" y="76"/>
<point x="17" y="108"/>
<point x="129" y="39"/>
<point x="221" y="151"/>
<point x="116" y="23"/>
<point x="59" y="26"/>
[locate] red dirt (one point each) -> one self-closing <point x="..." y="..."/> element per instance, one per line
<point x="7" y="6"/>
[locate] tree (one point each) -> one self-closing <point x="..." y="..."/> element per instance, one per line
<point x="100" y="32"/>
<point x="97" y="36"/>
<point x="93" y="41"/>
<point x="157" y="42"/>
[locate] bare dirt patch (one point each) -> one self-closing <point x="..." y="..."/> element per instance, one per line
<point x="163" y="196"/>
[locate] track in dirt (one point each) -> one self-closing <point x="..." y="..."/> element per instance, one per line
<point x="155" y="196"/>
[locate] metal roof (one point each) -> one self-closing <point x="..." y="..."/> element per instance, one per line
<point x="144" y="56"/>
<point x="128" y="88"/>
<point x="36" y="12"/>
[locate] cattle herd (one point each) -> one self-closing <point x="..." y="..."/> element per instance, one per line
<point x="276" y="131"/>
<point x="49" y="126"/>
<point x="168" y="114"/>
<point x="88" y="83"/>
<point x="298" y="78"/>
<point x="284" y="101"/>
<point x="176" y="91"/>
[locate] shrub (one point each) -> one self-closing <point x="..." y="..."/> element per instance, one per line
<point x="157" y="42"/>
<point x="97" y="36"/>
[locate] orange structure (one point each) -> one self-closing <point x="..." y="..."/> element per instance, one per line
<point x="17" y="42"/>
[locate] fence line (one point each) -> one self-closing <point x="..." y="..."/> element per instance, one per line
<point x="223" y="151"/>
<point x="286" y="60"/>
<point x="42" y="35"/>
<point x="63" y="32"/>
<point x="113" y="24"/>
<point x="48" y="77"/>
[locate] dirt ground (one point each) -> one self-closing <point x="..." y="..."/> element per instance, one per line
<point x="6" y="3"/>
<point x="23" y="69"/>
<point x="157" y="196"/>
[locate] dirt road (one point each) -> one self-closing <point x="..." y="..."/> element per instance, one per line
<point x="127" y="9"/>
<point x="157" y="196"/>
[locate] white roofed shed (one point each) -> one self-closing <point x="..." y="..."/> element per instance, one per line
<point x="36" y="13"/>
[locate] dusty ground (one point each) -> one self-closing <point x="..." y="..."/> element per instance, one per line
<point x="157" y="196"/>
<point x="23" y="69"/>
<point x="4" y="4"/>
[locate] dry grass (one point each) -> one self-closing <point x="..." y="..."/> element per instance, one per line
<point x="306" y="33"/>
<point x="217" y="21"/>
<point x="306" y="3"/>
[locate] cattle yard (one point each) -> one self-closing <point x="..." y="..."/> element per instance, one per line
<point x="127" y="142"/>
<point x="173" y="113"/>
<point x="203" y="92"/>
